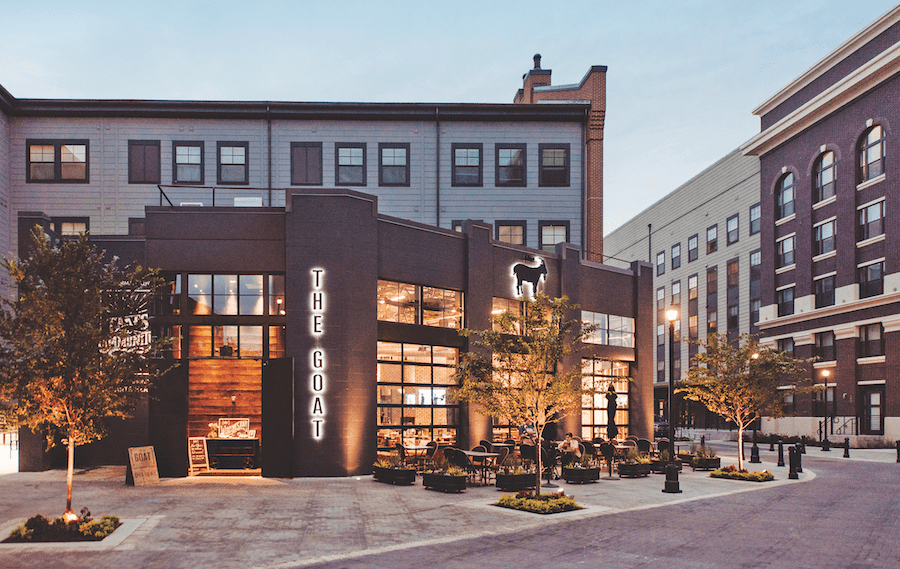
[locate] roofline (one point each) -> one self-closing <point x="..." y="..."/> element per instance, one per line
<point x="277" y="110"/>
<point x="862" y="37"/>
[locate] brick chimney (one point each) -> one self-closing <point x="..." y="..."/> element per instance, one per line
<point x="535" y="77"/>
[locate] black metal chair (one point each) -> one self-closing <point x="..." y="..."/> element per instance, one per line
<point x="487" y="445"/>
<point x="503" y="454"/>
<point x="527" y="453"/>
<point x="401" y="451"/>
<point x="458" y="458"/>
<point x="644" y="447"/>
<point x="609" y="454"/>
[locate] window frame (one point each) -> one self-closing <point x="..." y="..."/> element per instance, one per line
<point x="870" y="287"/>
<point x="382" y="146"/>
<point x="712" y="245"/>
<point x="823" y="296"/>
<point x="784" y="208"/>
<point x="552" y="223"/>
<point x="294" y="164"/>
<point x="867" y="347"/>
<point x="661" y="263"/>
<point x="863" y="231"/>
<point x="219" y="164"/>
<point x="785" y="305"/>
<point x="498" y="168"/>
<point x="755" y="221"/>
<point x="825" y="346"/>
<point x="188" y="144"/>
<point x="694" y="252"/>
<point x="785" y="258"/>
<point x="57" y="145"/>
<point x="338" y="146"/>
<point x="454" y="176"/>
<point x="863" y="147"/>
<point x="676" y="259"/>
<point x="56" y="223"/>
<point x="566" y="168"/>
<point x="156" y="176"/>
<point x="511" y="223"/>
<point x="820" y="242"/>
<point x="732" y="236"/>
<point x="819" y="188"/>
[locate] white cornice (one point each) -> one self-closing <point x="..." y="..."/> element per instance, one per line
<point x="865" y="78"/>
<point x="865" y="35"/>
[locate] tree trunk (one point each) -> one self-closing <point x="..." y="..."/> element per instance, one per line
<point x="537" y="461"/>
<point x="69" y="472"/>
<point x="740" y="446"/>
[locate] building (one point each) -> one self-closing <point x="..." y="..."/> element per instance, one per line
<point x="703" y="240"/>
<point x="830" y="264"/>
<point x="321" y="258"/>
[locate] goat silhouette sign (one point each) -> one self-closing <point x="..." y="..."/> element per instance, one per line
<point x="523" y="274"/>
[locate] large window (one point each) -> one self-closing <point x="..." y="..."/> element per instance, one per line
<point x="784" y="197"/>
<point x="226" y="294"/>
<point x="510" y="169"/>
<point x="871" y="153"/>
<point x="660" y="263"/>
<point x="712" y="300"/>
<point x="732" y="294"/>
<point x="143" y="162"/>
<point x="824" y="347"/>
<point x="871" y="341"/>
<point x="693" y="315"/>
<point x="731" y="227"/>
<point x="612" y="330"/>
<point x="512" y="232"/>
<point x="554" y="165"/>
<point x="784" y="252"/>
<point x="393" y="167"/>
<point x="824" y="291"/>
<point x="823" y="237"/>
<point x="424" y="305"/>
<point x="755" y="217"/>
<point x="230" y="341"/>
<point x="824" y="177"/>
<point x="233" y="158"/>
<point x="870" y="221"/>
<point x="712" y="239"/>
<point x="692" y="248"/>
<point x="599" y="375"/>
<point x="676" y="256"/>
<point x="350" y="164"/>
<point x="785" y="299"/>
<point x="871" y="279"/>
<point x="755" y="295"/>
<point x="786" y="345"/>
<point x="467" y="164"/>
<point x="57" y="161"/>
<point x="553" y="232"/>
<point x="412" y="406"/>
<point x="188" y="162"/>
<point x="306" y="163"/>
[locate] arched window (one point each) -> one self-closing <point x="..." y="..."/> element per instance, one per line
<point x="784" y="196"/>
<point x="824" y="177"/>
<point x="871" y="154"/>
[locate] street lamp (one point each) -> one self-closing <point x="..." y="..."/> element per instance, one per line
<point x="826" y="444"/>
<point x="672" y="486"/>
<point x="754" y="450"/>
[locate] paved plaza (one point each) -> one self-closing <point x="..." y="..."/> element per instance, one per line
<point x="840" y="513"/>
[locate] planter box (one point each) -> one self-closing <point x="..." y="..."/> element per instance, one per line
<point x="515" y="482"/>
<point x="659" y="466"/>
<point x="581" y="475"/>
<point x="633" y="470"/>
<point x="706" y="463"/>
<point x="394" y="476"/>
<point x="444" y="483"/>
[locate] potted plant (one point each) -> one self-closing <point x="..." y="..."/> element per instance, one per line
<point x="392" y="471"/>
<point x="659" y="464"/>
<point x="706" y="459"/>
<point x="634" y="465"/>
<point x="581" y="471"/>
<point x="512" y="476"/>
<point x="445" y="478"/>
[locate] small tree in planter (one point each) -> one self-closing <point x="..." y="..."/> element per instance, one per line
<point x="741" y="380"/>
<point x="517" y="372"/>
<point x="75" y="345"/>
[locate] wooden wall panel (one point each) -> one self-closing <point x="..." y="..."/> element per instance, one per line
<point x="212" y="384"/>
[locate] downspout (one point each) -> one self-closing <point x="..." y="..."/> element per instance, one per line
<point x="269" y="143"/>
<point x="437" y="167"/>
<point x="584" y="199"/>
<point x="649" y="245"/>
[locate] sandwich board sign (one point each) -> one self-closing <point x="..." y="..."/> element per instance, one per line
<point x="198" y="457"/>
<point x="142" y="463"/>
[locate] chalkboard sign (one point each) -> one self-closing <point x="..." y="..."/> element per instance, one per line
<point x="198" y="458"/>
<point x="142" y="461"/>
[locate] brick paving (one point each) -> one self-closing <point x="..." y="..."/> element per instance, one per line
<point x="841" y="513"/>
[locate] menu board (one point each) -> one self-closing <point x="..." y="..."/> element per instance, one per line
<point x="198" y="457"/>
<point x="235" y="428"/>
<point x="142" y="461"/>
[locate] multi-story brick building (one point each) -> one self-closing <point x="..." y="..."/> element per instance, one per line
<point x="830" y="262"/>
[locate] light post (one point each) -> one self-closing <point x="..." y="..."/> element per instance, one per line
<point x="754" y="450"/>
<point x="672" y="486"/>
<point x="826" y="444"/>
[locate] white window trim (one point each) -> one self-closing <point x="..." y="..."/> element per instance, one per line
<point x="873" y="202"/>
<point x="871" y="360"/>
<point x="872" y="182"/>
<point x="824" y="221"/>
<point x="871" y="381"/>
<point x="869" y="241"/>
<point x="784" y="220"/>
<point x="825" y="202"/>
<point x="824" y="256"/>
<point x="824" y="276"/>
<point x="785" y="287"/>
<point x="785" y="268"/>
<point x="872" y="262"/>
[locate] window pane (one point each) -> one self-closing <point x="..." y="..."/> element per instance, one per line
<point x="200" y="294"/>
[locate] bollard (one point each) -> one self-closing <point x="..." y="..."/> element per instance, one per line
<point x="780" y="453"/>
<point x="826" y="445"/>
<point x="898" y="451"/>
<point x="702" y="441"/>
<point x="799" y="460"/>
<point x="792" y="459"/>
<point x="846" y="447"/>
<point x="671" y="485"/>
<point x="754" y="454"/>
<point x="802" y="447"/>
<point x="772" y="444"/>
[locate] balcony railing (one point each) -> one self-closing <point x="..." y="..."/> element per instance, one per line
<point x="218" y="196"/>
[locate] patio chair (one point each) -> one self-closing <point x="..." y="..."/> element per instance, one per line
<point x="401" y="451"/>
<point x="661" y="445"/>
<point x="609" y="454"/>
<point x="487" y="445"/>
<point x="456" y="457"/>
<point x="644" y="447"/>
<point x="429" y="454"/>
<point x="549" y="463"/>
<point x="503" y="453"/>
<point x="527" y="453"/>
<point x="588" y="449"/>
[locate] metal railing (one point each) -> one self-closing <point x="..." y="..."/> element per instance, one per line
<point x="213" y="196"/>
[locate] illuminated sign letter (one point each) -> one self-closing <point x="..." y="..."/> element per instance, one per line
<point x="317" y="356"/>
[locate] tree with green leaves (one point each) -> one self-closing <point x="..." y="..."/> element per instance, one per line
<point x="75" y="344"/>
<point x="742" y="380"/>
<point x="514" y="370"/>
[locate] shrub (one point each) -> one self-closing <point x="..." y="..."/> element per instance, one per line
<point x="39" y="528"/>
<point x="541" y="504"/>
<point x="732" y="473"/>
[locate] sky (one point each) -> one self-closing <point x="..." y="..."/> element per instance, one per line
<point x="683" y="77"/>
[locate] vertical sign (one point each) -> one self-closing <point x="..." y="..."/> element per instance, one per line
<point x="317" y="356"/>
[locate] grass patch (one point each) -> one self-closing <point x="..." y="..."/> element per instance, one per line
<point x="41" y="529"/>
<point x="542" y="504"/>
<point x="732" y="473"/>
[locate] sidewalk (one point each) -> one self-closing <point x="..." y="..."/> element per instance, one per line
<point x="274" y="523"/>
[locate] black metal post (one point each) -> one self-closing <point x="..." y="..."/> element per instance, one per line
<point x="898" y="451"/>
<point x="799" y="460"/>
<point x="754" y="450"/>
<point x="780" y="453"/>
<point x="846" y="447"/>
<point x="792" y="460"/>
<point x="672" y="486"/>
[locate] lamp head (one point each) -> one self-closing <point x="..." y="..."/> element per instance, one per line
<point x="671" y="314"/>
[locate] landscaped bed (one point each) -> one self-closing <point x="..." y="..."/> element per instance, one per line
<point x="732" y="473"/>
<point x="542" y="504"/>
<point x="41" y="529"/>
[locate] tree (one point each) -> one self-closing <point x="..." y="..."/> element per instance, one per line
<point x="742" y="380"/>
<point x="74" y="343"/>
<point x="515" y="371"/>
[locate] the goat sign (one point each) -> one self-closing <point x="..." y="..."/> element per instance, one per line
<point x="534" y="276"/>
